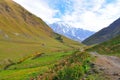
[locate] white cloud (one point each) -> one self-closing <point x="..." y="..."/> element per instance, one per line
<point x="39" y="8"/>
<point x="87" y="14"/>
<point x="92" y="14"/>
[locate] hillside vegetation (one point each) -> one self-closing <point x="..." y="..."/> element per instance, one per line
<point x="30" y="50"/>
<point x="22" y="33"/>
<point x="77" y="66"/>
<point x="111" y="47"/>
<point x="87" y="65"/>
<point x="27" y="45"/>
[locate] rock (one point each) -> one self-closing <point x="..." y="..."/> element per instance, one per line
<point x="102" y="69"/>
<point x="92" y="65"/>
<point x="115" y="74"/>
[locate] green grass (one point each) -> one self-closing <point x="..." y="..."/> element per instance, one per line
<point x="75" y="67"/>
<point x="21" y="74"/>
<point x="111" y="47"/>
<point x="46" y="59"/>
<point x="15" y="51"/>
<point x="18" y="49"/>
<point x="22" y="35"/>
<point x="31" y="68"/>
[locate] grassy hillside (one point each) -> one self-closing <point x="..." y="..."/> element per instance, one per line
<point x="27" y="45"/>
<point x="111" y="47"/>
<point x="22" y="33"/>
<point x="105" y="34"/>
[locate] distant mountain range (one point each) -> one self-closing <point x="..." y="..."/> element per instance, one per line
<point x="71" y="32"/>
<point x="105" y="34"/>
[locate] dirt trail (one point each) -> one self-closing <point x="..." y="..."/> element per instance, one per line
<point x="109" y="65"/>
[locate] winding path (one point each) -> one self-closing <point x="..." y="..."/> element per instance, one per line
<point x="109" y="65"/>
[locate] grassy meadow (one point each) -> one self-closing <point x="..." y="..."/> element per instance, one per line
<point x="31" y="66"/>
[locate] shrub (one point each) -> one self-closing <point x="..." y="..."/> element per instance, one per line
<point x="70" y="73"/>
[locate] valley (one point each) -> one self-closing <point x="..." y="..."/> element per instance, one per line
<point x="31" y="50"/>
<point x="28" y="46"/>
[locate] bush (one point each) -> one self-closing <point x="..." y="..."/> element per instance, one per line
<point x="70" y="73"/>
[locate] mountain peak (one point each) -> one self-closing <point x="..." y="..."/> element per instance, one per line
<point x="71" y="32"/>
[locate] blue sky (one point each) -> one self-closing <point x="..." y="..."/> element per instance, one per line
<point x="87" y="14"/>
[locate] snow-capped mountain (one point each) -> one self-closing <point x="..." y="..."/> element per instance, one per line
<point x="77" y="34"/>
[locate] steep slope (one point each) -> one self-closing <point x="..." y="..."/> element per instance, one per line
<point x="17" y="22"/>
<point x="105" y="34"/>
<point x="23" y="34"/>
<point x="77" y="34"/>
<point x="28" y="47"/>
<point x="111" y="47"/>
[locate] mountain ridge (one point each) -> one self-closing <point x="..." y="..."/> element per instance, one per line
<point x="105" y="34"/>
<point x="71" y="32"/>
